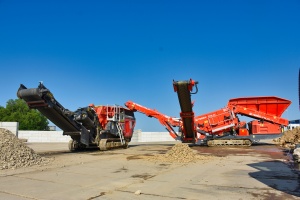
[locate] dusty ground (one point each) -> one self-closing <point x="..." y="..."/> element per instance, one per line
<point x="262" y="171"/>
<point x="14" y="153"/>
<point x="147" y="171"/>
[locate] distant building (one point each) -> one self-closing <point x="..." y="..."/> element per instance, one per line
<point x="293" y="124"/>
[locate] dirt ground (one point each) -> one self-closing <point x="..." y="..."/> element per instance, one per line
<point x="168" y="170"/>
<point x="14" y="153"/>
<point x="262" y="172"/>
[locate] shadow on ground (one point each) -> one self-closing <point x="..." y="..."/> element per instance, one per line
<point x="277" y="175"/>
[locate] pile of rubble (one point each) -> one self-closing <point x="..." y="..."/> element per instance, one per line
<point x="15" y="154"/>
<point x="291" y="140"/>
<point x="179" y="153"/>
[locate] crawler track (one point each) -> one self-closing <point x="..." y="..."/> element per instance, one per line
<point x="232" y="142"/>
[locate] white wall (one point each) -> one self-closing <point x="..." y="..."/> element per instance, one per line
<point x="57" y="136"/>
<point x="140" y="136"/>
<point x="44" y="136"/>
<point x="292" y="126"/>
<point x="11" y="126"/>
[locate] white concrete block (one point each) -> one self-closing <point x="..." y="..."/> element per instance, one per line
<point x="11" y="126"/>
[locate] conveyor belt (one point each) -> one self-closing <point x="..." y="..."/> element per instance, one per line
<point x="42" y="99"/>
<point x="185" y="102"/>
<point x="83" y="125"/>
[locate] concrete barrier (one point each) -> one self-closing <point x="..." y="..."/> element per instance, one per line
<point x="57" y="136"/>
<point x="140" y="136"/>
<point x="44" y="136"/>
<point x="11" y="126"/>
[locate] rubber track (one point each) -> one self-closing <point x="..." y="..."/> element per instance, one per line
<point x="245" y="142"/>
<point x="185" y="102"/>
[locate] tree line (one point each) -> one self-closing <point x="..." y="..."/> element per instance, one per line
<point x="18" y="111"/>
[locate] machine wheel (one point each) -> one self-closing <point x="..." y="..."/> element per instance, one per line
<point x="102" y="144"/>
<point x="248" y="143"/>
<point x="230" y="142"/>
<point x="73" y="145"/>
<point x="125" y="145"/>
<point x="210" y="143"/>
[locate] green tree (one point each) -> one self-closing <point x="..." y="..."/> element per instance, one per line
<point x="18" y="111"/>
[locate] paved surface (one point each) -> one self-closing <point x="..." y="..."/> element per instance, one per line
<point x="257" y="172"/>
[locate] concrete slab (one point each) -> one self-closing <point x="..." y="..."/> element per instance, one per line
<point x="235" y="173"/>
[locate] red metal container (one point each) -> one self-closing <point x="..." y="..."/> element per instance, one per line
<point x="267" y="104"/>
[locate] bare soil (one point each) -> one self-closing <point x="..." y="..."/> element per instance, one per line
<point x="14" y="153"/>
<point x="256" y="172"/>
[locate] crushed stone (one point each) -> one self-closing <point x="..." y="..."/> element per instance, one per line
<point x="179" y="153"/>
<point x="290" y="138"/>
<point x="15" y="154"/>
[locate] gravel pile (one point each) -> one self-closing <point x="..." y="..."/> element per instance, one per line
<point x="15" y="154"/>
<point x="180" y="153"/>
<point x="290" y="138"/>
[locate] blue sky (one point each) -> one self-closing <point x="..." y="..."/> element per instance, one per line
<point x="109" y="52"/>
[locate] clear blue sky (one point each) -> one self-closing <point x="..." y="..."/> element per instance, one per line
<point x="109" y="52"/>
